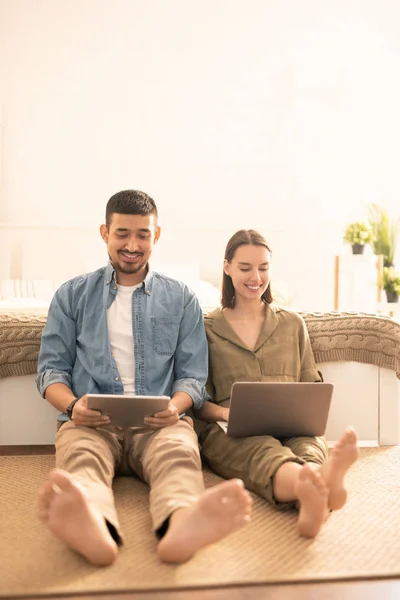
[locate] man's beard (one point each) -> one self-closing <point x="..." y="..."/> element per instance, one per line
<point x="128" y="269"/>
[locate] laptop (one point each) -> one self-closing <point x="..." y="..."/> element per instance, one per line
<point x="279" y="409"/>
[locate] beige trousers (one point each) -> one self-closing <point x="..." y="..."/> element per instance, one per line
<point x="256" y="459"/>
<point x="167" y="459"/>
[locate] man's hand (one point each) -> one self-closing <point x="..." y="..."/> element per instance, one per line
<point x="164" y="418"/>
<point x="82" y="415"/>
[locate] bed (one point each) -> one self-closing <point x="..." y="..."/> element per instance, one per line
<point x="359" y="353"/>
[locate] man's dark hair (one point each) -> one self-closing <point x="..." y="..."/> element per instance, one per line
<point x="244" y="237"/>
<point x="130" y="202"/>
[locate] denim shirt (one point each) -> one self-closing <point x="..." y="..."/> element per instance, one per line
<point x="170" y="345"/>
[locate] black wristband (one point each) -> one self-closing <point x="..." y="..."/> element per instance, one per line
<point x="70" y="407"/>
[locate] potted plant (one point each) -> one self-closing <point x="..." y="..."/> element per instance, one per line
<point x="391" y="284"/>
<point x="358" y="234"/>
<point x="385" y="233"/>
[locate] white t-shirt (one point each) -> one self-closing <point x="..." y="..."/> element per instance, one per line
<point x="119" y="321"/>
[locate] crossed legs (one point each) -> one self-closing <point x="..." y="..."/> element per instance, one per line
<point x="297" y="471"/>
<point x="317" y="488"/>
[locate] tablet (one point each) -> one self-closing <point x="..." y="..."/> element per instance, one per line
<point x="127" y="411"/>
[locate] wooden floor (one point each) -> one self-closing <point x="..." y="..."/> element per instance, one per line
<point x="386" y="589"/>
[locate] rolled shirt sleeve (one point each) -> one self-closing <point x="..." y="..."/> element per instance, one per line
<point x="191" y="355"/>
<point x="58" y="344"/>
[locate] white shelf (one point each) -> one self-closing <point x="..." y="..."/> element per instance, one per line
<point x="391" y="309"/>
<point x="358" y="282"/>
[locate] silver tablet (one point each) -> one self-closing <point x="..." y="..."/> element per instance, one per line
<point x="127" y="411"/>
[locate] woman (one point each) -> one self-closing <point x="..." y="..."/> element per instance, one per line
<point x="251" y="340"/>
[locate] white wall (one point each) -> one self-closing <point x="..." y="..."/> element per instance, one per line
<point x="280" y="115"/>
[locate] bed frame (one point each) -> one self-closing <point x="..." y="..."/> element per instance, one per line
<point x="359" y="353"/>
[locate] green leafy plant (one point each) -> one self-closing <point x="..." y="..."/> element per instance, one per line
<point x="385" y="233"/>
<point x="358" y="233"/>
<point x="391" y="280"/>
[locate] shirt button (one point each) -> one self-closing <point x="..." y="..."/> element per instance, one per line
<point x="117" y="379"/>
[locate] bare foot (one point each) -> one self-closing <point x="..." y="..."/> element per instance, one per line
<point x="218" y="512"/>
<point x="63" y="506"/>
<point x="343" y="455"/>
<point x="312" y="494"/>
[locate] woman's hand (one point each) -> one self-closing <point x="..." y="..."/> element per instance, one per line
<point x="224" y="414"/>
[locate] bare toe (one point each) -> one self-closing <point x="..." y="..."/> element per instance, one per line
<point x="45" y="495"/>
<point x="312" y="494"/>
<point x="343" y="455"/>
<point x="221" y="510"/>
<point x="63" y="505"/>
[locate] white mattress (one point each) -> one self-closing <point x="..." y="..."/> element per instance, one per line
<point x="26" y="294"/>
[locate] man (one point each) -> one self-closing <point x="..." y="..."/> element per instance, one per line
<point x="127" y="329"/>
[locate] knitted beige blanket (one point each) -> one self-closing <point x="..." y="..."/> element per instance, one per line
<point x="335" y="336"/>
<point x="20" y="334"/>
<point x="358" y="337"/>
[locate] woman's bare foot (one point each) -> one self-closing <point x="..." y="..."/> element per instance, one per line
<point x="343" y="455"/>
<point x="219" y="511"/>
<point x="63" y="506"/>
<point x="312" y="494"/>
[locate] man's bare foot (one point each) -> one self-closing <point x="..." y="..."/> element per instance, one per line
<point x="312" y="494"/>
<point x="218" y="512"/>
<point x="63" y="507"/>
<point x="343" y="455"/>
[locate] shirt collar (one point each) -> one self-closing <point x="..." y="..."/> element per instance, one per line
<point x="223" y="328"/>
<point x="110" y="277"/>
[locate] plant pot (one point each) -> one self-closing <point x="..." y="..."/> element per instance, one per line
<point x="392" y="296"/>
<point x="358" y="248"/>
